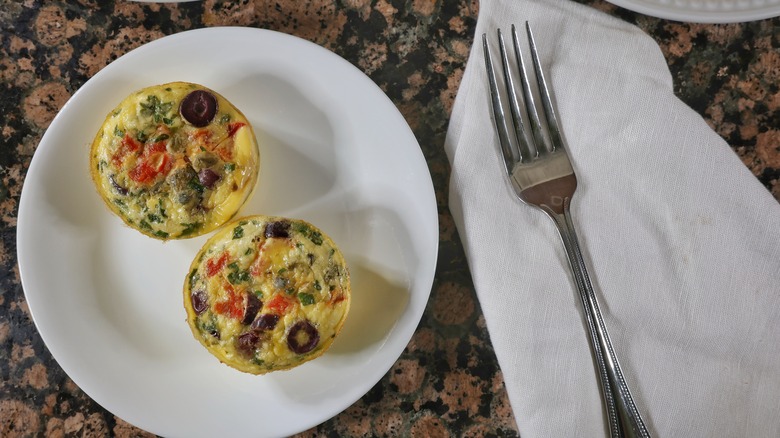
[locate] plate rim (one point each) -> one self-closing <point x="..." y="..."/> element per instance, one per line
<point x="715" y="16"/>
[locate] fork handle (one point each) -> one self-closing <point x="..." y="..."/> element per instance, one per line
<point x="623" y="416"/>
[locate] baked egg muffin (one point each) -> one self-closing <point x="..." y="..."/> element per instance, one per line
<point x="267" y="294"/>
<point x="175" y="160"/>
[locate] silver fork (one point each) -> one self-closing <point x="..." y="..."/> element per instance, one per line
<point x="541" y="174"/>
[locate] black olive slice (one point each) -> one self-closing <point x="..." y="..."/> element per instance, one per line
<point x="253" y="305"/>
<point x="208" y="177"/>
<point x="247" y="343"/>
<point x="265" y="321"/>
<point x="303" y="337"/>
<point x="121" y="190"/>
<point x="277" y="229"/>
<point x="199" y="301"/>
<point x="198" y="108"/>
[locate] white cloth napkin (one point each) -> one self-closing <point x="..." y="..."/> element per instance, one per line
<point x="682" y="242"/>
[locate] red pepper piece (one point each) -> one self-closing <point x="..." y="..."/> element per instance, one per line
<point x="234" y="127"/>
<point x="155" y="161"/>
<point x="216" y="264"/>
<point x="128" y="145"/>
<point x="233" y="306"/>
<point x="279" y="304"/>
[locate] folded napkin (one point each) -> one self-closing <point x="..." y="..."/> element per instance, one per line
<point x="682" y="242"/>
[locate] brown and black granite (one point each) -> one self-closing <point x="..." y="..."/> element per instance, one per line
<point x="447" y="382"/>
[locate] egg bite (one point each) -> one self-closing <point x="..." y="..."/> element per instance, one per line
<point x="267" y="294"/>
<point x="175" y="160"/>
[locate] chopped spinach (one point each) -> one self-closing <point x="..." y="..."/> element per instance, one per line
<point x="190" y="228"/>
<point x="305" y="230"/>
<point x="235" y="277"/>
<point x="194" y="184"/>
<point x="306" y="299"/>
<point x="193" y="278"/>
<point x="161" y="208"/>
<point x="155" y="108"/>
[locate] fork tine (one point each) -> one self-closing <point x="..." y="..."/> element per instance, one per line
<point x="526" y="148"/>
<point x="540" y="141"/>
<point x="544" y="92"/>
<point x="509" y="153"/>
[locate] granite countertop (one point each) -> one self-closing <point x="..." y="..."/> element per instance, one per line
<point x="447" y="382"/>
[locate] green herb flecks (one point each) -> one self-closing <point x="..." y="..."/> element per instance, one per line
<point x="314" y="236"/>
<point x="118" y="132"/>
<point x="236" y="277"/>
<point x="194" y="184"/>
<point x="155" y="108"/>
<point x="190" y="228"/>
<point x="161" y="209"/>
<point x="194" y="277"/>
<point x="209" y="326"/>
<point x="161" y="137"/>
<point x="306" y="299"/>
<point x="162" y="234"/>
<point x="238" y="232"/>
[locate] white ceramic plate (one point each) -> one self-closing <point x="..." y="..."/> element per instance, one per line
<point x="704" y="11"/>
<point x="335" y="151"/>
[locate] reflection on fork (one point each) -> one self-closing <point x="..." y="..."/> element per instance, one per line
<point x="538" y="168"/>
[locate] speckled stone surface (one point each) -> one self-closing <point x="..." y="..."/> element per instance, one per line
<point x="447" y="382"/>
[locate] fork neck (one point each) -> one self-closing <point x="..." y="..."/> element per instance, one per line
<point x="548" y="194"/>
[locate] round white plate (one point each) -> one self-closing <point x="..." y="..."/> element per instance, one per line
<point x="704" y="11"/>
<point x="335" y="151"/>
